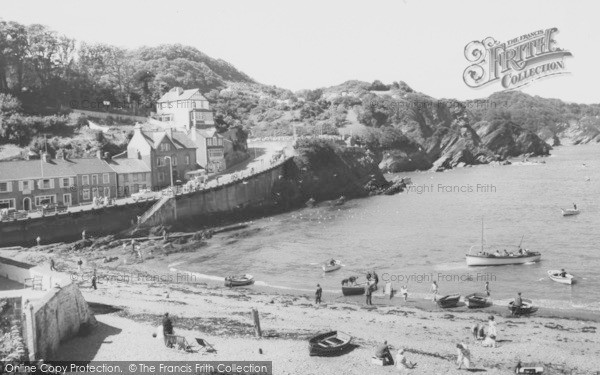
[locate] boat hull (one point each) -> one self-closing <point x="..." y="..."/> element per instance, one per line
<point x="525" y="309"/>
<point x="554" y="276"/>
<point x="476" y="300"/>
<point x="570" y="212"/>
<point x="479" y="260"/>
<point x="239" y="281"/>
<point x="356" y="290"/>
<point x="329" y="344"/>
<point x="449" y="301"/>
<point x="335" y="267"/>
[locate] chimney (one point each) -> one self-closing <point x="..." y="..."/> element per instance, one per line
<point x="178" y="90"/>
<point x="46" y="157"/>
<point x="169" y="132"/>
<point x="107" y="156"/>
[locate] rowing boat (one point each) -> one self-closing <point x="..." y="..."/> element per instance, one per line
<point x="450" y="300"/>
<point x="329" y="343"/>
<point x="570" y="212"/>
<point x="328" y="267"/>
<point x="476" y="300"/>
<point x="239" y="280"/>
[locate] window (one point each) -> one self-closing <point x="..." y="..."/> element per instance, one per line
<point x="215" y="154"/>
<point x="134" y="176"/>
<point x="187" y="160"/>
<point x="121" y="179"/>
<point x="173" y="160"/>
<point x="64" y="182"/>
<point x="25" y="186"/>
<point x="105" y="178"/>
<point x="94" y="179"/>
<point x="86" y="194"/>
<point x="107" y="191"/>
<point x="95" y="192"/>
<point x="5" y="187"/>
<point x="219" y="142"/>
<point x="85" y="180"/>
<point x="67" y="199"/>
<point x="165" y="147"/>
<point x="45" y="199"/>
<point x="46" y="184"/>
<point x="159" y="162"/>
<point x="7" y="203"/>
<point x="141" y="176"/>
<point x="209" y="142"/>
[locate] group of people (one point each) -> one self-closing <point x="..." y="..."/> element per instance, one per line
<point x="505" y="253"/>
<point x="487" y="339"/>
<point x="384" y="353"/>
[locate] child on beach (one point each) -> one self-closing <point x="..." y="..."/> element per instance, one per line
<point x="434" y="290"/>
<point x="490" y="341"/>
<point x="402" y="363"/>
<point x="492" y="327"/>
<point x="464" y="356"/>
<point x="404" y="292"/>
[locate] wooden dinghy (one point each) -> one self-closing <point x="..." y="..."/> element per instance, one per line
<point x="329" y="343"/>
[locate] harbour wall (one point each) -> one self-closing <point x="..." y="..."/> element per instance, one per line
<point x="68" y="226"/>
<point x="260" y="193"/>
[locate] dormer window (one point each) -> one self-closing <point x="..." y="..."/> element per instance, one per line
<point x="165" y="147"/>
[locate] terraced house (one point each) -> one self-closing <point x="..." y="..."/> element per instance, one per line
<point x="30" y="184"/>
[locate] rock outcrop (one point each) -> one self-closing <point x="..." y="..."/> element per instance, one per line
<point x="507" y="139"/>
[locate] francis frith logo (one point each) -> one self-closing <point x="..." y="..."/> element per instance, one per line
<point x="514" y="63"/>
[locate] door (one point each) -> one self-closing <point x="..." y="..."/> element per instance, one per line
<point x="67" y="199"/>
<point x="27" y="204"/>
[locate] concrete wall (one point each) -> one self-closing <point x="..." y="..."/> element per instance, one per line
<point x="15" y="271"/>
<point x="53" y="319"/>
<point x="68" y="226"/>
<point x="252" y="193"/>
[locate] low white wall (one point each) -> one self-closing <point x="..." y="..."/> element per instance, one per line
<point x="15" y="271"/>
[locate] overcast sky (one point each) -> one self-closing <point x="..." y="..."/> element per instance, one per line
<point x="317" y="43"/>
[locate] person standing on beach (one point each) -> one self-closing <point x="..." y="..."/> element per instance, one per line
<point x="517" y="304"/>
<point x="94" y="281"/>
<point x="492" y="331"/>
<point x="318" y="294"/>
<point x="167" y="326"/>
<point x="487" y="288"/>
<point x="83" y="235"/>
<point x="79" y="265"/>
<point x="38" y="240"/>
<point x="52" y="267"/>
<point x="404" y="292"/>
<point x="434" y="290"/>
<point x="464" y="356"/>
<point x="368" y="292"/>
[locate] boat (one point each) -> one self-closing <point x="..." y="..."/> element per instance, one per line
<point x="476" y="300"/>
<point x="450" y="300"/>
<point x="340" y="201"/>
<point x="489" y="258"/>
<point x="570" y="211"/>
<point x="357" y="289"/>
<point x="554" y="275"/>
<point x="329" y="343"/>
<point x="239" y="280"/>
<point x="526" y="307"/>
<point x="328" y="267"/>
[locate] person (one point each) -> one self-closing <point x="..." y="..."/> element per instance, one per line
<point x="402" y="363"/>
<point x="38" y="240"/>
<point x="368" y="292"/>
<point x="475" y="330"/>
<point x="506" y="253"/>
<point x="481" y="332"/>
<point x="52" y="266"/>
<point x="80" y="264"/>
<point x="517" y="304"/>
<point x="133" y="245"/>
<point x="563" y="273"/>
<point x="83" y="235"/>
<point x="574" y="206"/>
<point x="497" y="253"/>
<point x="434" y="290"/>
<point x="487" y="288"/>
<point x="318" y="294"/>
<point x="492" y="327"/>
<point x="167" y="326"/>
<point x="383" y="352"/>
<point x="94" y="280"/>
<point x="165" y="235"/>
<point x="490" y="341"/>
<point x="464" y="356"/>
<point x="404" y="292"/>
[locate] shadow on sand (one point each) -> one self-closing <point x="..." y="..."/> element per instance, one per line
<point x="85" y="348"/>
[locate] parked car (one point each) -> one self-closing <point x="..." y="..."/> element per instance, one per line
<point x="143" y="194"/>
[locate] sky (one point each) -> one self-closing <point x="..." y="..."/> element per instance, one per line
<point x="310" y="44"/>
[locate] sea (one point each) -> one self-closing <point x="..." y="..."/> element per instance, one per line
<point x="423" y="234"/>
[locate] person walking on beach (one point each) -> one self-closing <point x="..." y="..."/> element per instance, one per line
<point x="318" y="294"/>
<point x="79" y="265"/>
<point x="434" y="290"/>
<point x="94" y="280"/>
<point x="464" y="356"/>
<point x="167" y="326"/>
<point x="368" y="292"/>
<point x="487" y="288"/>
<point x="52" y="267"/>
<point x="404" y="292"/>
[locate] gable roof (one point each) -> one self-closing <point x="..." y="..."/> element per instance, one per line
<point x="180" y="140"/>
<point x="177" y="94"/>
<point x="34" y="169"/>
<point x="128" y="166"/>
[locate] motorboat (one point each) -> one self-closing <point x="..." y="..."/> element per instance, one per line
<point x="332" y="265"/>
<point x="329" y="343"/>
<point x="555" y="275"/>
<point x="239" y="280"/>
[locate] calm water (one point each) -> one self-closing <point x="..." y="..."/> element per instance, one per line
<point x="416" y="238"/>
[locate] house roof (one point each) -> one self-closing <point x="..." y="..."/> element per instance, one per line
<point x="207" y="133"/>
<point x="33" y="169"/>
<point x="179" y="94"/>
<point x="179" y="139"/>
<point x="122" y="166"/>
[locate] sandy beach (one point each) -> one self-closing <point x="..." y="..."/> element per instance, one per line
<point x="131" y="299"/>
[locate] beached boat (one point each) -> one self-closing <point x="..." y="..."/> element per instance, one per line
<point x="570" y="211"/>
<point x="356" y="289"/>
<point x="448" y="301"/>
<point x="526" y="307"/>
<point x="555" y="276"/>
<point x="329" y="267"/>
<point x="476" y="300"/>
<point x="329" y="343"/>
<point x="494" y="258"/>
<point x="239" y="280"/>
